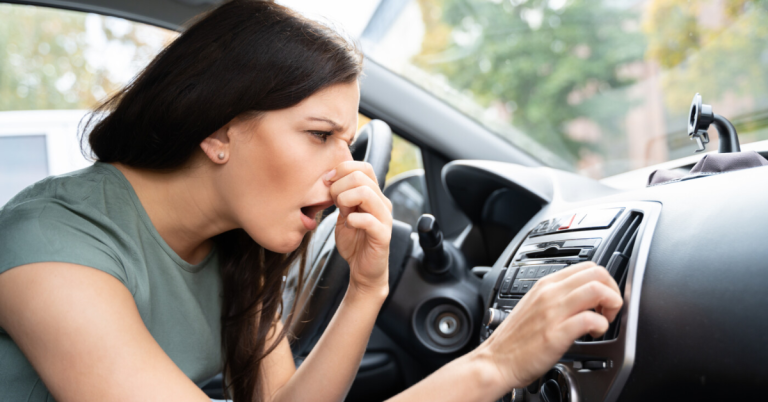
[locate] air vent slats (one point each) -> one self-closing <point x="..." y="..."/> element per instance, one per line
<point x="616" y="260"/>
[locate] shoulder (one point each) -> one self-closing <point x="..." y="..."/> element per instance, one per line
<point x="63" y="219"/>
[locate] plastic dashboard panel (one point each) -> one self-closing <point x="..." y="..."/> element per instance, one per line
<point x="618" y="354"/>
<point x="700" y="308"/>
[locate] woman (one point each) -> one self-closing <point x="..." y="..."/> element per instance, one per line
<point x="162" y="264"/>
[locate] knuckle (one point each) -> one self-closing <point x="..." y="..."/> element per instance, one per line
<point x="598" y="272"/>
<point x="547" y="280"/>
<point x="545" y="287"/>
<point x="368" y="191"/>
<point x="584" y="265"/>
<point x="594" y="287"/>
<point x="343" y="198"/>
<point x="358" y="177"/>
<point x="603" y="272"/>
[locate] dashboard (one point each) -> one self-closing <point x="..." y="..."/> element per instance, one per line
<point x="616" y="237"/>
<point x="690" y="259"/>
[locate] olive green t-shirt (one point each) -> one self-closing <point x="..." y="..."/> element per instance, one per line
<point x="92" y="217"/>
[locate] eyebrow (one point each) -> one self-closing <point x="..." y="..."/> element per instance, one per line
<point x="336" y="126"/>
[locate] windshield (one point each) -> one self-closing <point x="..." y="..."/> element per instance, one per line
<point x="597" y="87"/>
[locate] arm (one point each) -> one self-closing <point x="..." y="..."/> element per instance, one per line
<point x="80" y="329"/>
<point x="529" y="342"/>
<point x="328" y="371"/>
<point x="542" y="327"/>
<point x="363" y="232"/>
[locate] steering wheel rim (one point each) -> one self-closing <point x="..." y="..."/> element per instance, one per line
<point x="327" y="274"/>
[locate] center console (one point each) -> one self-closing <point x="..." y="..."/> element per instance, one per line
<point x="616" y="237"/>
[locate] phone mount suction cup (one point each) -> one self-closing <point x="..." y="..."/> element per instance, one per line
<point x="700" y="117"/>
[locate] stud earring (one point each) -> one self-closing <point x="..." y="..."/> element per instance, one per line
<point x="221" y="156"/>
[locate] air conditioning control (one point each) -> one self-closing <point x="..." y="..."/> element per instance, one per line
<point x="493" y="317"/>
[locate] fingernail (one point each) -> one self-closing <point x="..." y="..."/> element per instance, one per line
<point x="328" y="176"/>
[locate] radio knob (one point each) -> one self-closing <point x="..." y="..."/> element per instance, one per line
<point x="493" y="317"/>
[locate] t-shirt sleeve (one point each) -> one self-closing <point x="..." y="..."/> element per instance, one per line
<point x="50" y="231"/>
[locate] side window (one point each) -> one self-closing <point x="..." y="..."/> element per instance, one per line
<point x="405" y="185"/>
<point x="55" y="65"/>
<point x="23" y="160"/>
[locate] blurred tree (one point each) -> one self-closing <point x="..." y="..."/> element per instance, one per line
<point x="715" y="48"/>
<point x="542" y="60"/>
<point x="56" y="59"/>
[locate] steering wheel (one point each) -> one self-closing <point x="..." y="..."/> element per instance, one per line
<point x="327" y="273"/>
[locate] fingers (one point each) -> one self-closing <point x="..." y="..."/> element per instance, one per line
<point x="593" y="295"/>
<point x="366" y="200"/>
<point x="587" y="286"/>
<point x="586" y="322"/>
<point x="358" y="179"/>
<point x="367" y="222"/>
<point x="348" y="167"/>
<point x="580" y="274"/>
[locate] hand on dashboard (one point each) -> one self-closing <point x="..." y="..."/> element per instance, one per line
<point x="560" y="308"/>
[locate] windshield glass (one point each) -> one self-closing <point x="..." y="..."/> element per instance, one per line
<point x="595" y="86"/>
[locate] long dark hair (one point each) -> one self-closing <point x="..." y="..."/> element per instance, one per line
<point x="243" y="57"/>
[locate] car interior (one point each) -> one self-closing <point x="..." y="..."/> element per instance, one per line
<point x="481" y="219"/>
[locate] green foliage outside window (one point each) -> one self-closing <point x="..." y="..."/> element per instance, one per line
<point x="601" y="84"/>
<point x="530" y="58"/>
<point x="56" y="59"/>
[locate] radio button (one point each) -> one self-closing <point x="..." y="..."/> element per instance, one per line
<point x="515" y="288"/>
<point x="556" y="268"/>
<point x="543" y="270"/>
<point x="505" y="285"/>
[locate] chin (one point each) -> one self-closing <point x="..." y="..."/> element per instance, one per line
<point x="278" y="240"/>
<point x="285" y="245"/>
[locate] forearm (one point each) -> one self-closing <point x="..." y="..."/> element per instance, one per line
<point x="470" y="378"/>
<point x="328" y="371"/>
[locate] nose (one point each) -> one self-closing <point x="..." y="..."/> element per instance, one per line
<point x="344" y="154"/>
<point x="341" y="154"/>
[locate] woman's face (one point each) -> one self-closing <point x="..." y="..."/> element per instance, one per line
<point x="272" y="180"/>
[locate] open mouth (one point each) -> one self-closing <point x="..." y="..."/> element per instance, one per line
<point x="311" y="211"/>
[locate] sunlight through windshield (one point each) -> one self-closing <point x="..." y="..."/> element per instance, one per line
<point x="595" y="86"/>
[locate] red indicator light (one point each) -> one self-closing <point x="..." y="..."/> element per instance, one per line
<point x="567" y="225"/>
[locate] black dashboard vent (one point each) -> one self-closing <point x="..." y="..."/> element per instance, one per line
<point x="616" y="260"/>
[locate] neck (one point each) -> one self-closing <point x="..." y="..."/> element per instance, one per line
<point x="182" y="206"/>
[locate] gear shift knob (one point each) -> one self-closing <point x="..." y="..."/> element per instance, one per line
<point x="431" y="241"/>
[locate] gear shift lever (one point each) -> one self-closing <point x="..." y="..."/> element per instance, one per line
<point x="436" y="260"/>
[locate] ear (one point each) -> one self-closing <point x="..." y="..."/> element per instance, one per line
<point x="217" y="145"/>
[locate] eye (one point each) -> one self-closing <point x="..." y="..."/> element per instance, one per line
<point x="322" y="135"/>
